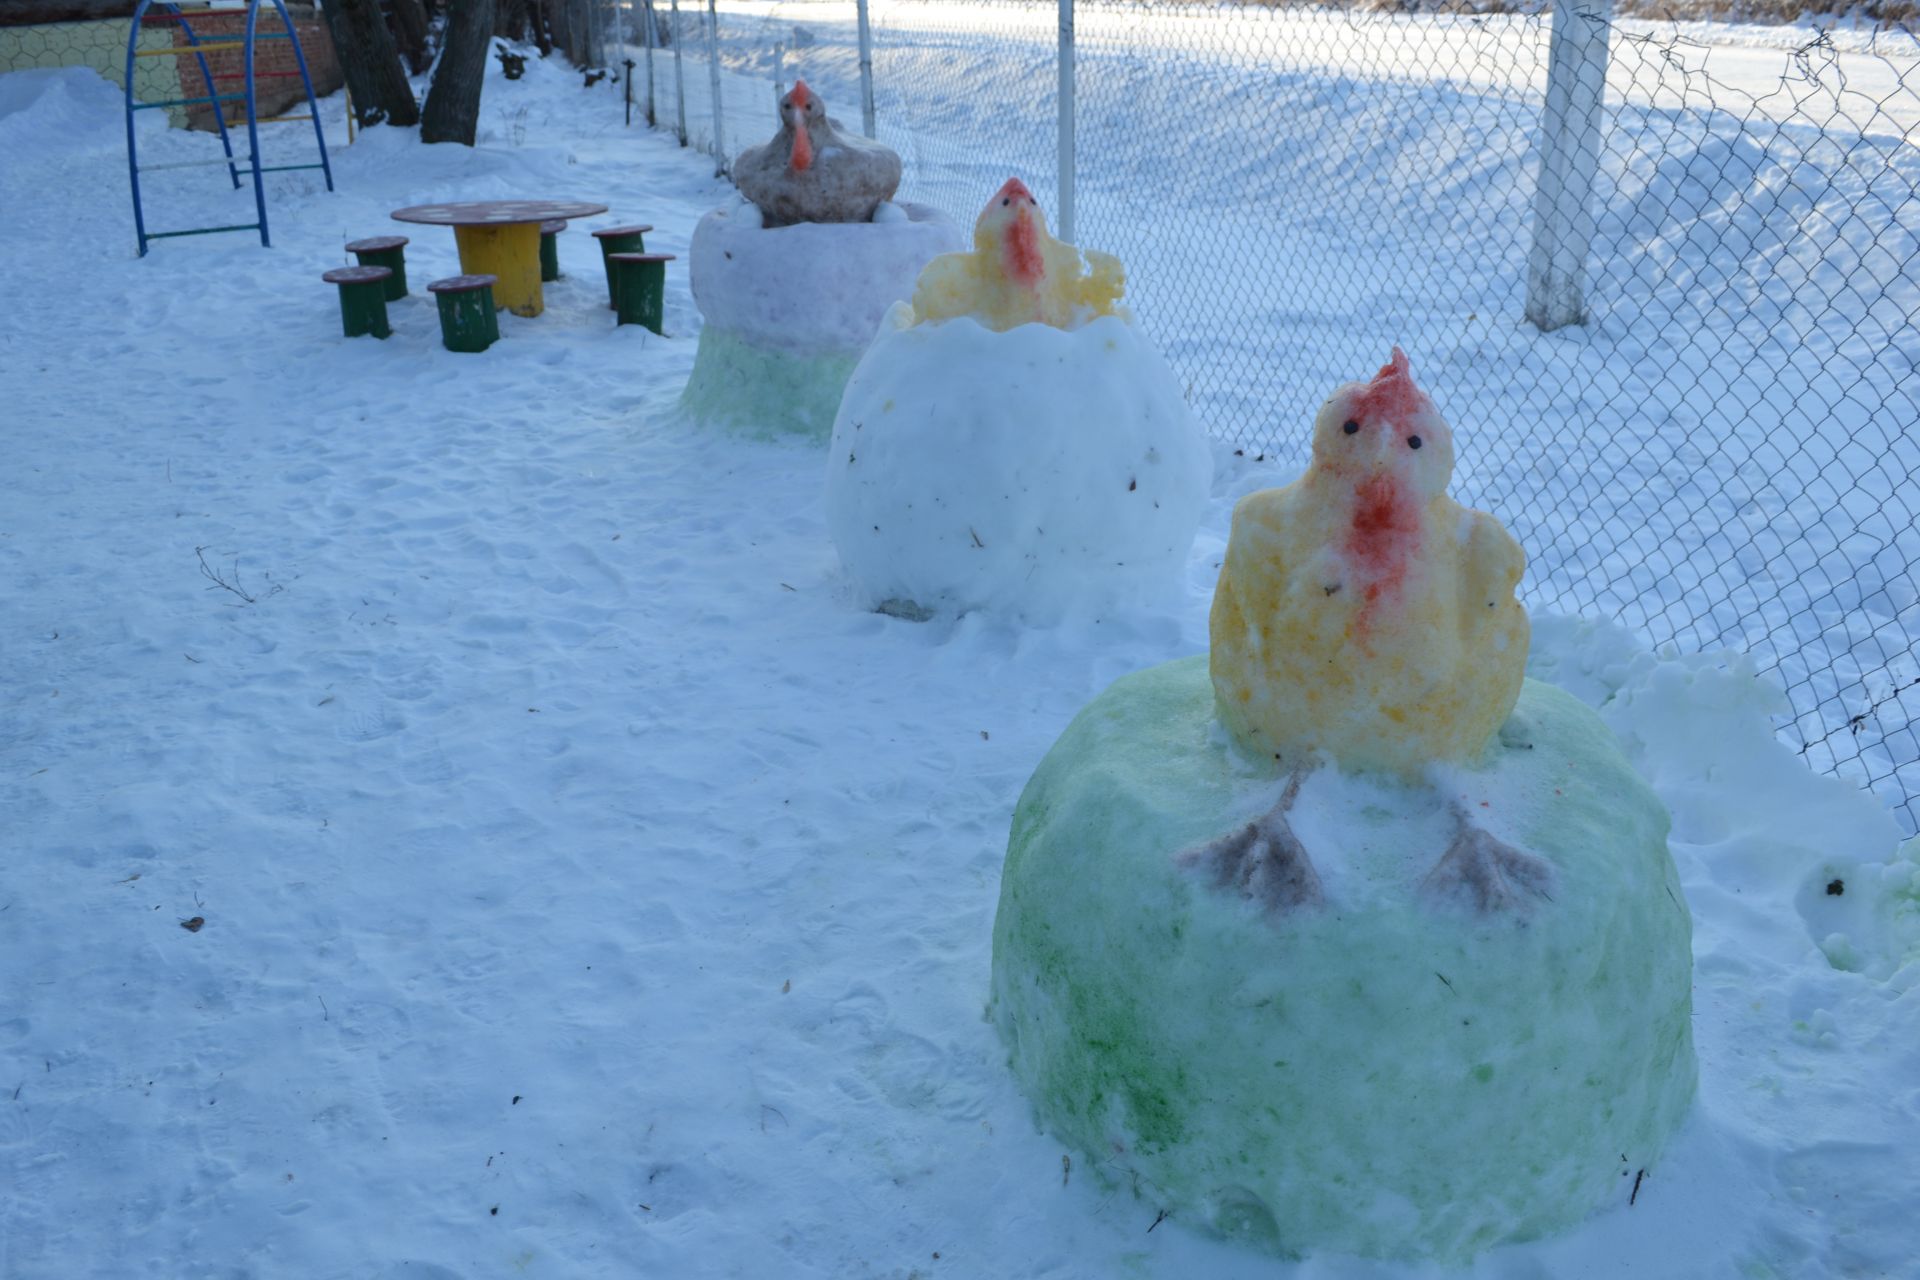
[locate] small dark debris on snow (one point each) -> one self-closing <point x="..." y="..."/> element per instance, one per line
<point x="494" y="1212"/>
<point x="1836" y="887"/>
<point x="193" y="925"/>
<point x="1636" y="1187"/>
<point x="516" y="1100"/>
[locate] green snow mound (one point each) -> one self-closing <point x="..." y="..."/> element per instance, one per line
<point x="1390" y="1073"/>
<point x="763" y="392"/>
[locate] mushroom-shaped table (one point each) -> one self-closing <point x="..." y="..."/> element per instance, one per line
<point x="501" y="238"/>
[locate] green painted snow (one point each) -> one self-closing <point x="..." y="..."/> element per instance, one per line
<point x="764" y="392"/>
<point x="1388" y="1075"/>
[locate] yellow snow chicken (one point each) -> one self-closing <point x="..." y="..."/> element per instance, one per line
<point x="1362" y="614"/>
<point x="1018" y="273"/>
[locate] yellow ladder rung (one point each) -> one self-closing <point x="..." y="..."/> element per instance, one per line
<point x="175" y="50"/>
<point x="278" y="119"/>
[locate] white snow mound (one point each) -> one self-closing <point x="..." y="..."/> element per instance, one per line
<point x="1036" y="473"/>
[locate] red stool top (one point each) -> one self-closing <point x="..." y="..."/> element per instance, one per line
<point x="553" y="226"/>
<point x="635" y="229"/>
<point x="356" y="275"/>
<point x="462" y="284"/>
<point x="376" y="244"/>
<point x="640" y="257"/>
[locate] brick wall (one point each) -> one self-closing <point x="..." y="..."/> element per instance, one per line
<point x="277" y="87"/>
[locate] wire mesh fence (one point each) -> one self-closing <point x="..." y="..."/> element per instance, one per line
<point x="1723" y="454"/>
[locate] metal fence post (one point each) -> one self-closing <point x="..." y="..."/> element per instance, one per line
<point x="1065" y="60"/>
<point x="679" y="72"/>
<point x="653" y="41"/>
<point x="866" y="71"/>
<point x="1569" y="160"/>
<point x="713" y="78"/>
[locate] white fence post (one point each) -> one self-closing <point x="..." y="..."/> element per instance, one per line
<point x="1065" y="59"/>
<point x="1569" y="160"/>
<point x="866" y="71"/>
<point x="713" y="78"/>
<point x="679" y="72"/>
<point x="653" y="42"/>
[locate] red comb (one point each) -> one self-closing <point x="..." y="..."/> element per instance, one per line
<point x="1396" y="366"/>
<point x="1013" y="190"/>
<point x="1392" y="393"/>
<point x="800" y="95"/>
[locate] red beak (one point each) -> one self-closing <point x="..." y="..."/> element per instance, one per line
<point x="802" y="144"/>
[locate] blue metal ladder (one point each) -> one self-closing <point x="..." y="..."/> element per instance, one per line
<point x="177" y="10"/>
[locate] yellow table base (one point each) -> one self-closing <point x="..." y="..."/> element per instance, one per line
<point x="510" y="253"/>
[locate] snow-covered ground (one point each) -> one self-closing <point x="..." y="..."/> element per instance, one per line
<point x="588" y="888"/>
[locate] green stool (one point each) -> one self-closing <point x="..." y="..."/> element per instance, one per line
<point x="363" y="299"/>
<point x="640" y="287"/>
<point x="549" y="251"/>
<point x="389" y="252"/>
<point x="619" y="240"/>
<point x="468" y="321"/>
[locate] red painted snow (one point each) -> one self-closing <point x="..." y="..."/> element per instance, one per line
<point x="1021" y="249"/>
<point x="1383" y="539"/>
<point x="1391" y="394"/>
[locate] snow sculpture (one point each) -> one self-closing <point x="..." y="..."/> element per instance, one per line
<point x="1365" y="616"/>
<point x="793" y="279"/>
<point x="1018" y="446"/>
<point x="1398" y="964"/>
<point x="1018" y="273"/>
<point x="813" y="171"/>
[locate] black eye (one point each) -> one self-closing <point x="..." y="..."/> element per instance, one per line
<point x="1351" y="426"/>
<point x="1005" y="202"/>
<point x="1413" y="442"/>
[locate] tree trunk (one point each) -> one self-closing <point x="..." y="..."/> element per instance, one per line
<point x="542" y="29"/>
<point x="573" y="35"/>
<point x="453" y="103"/>
<point x="510" y="20"/>
<point x="353" y="67"/>
<point x="372" y="46"/>
<point x="411" y="17"/>
<point x="585" y="37"/>
<point x="559" y="25"/>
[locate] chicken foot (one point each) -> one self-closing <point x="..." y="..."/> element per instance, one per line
<point x="1490" y="874"/>
<point x="1264" y="861"/>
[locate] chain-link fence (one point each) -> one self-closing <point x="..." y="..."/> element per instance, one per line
<point x="1723" y="454"/>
